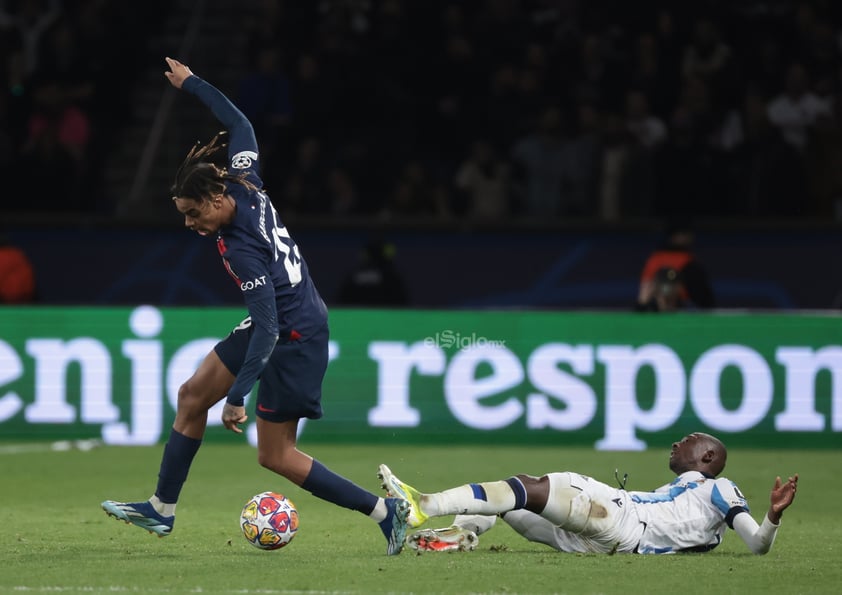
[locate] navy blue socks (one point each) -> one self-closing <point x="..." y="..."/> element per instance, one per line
<point x="327" y="485"/>
<point x="175" y="465"/>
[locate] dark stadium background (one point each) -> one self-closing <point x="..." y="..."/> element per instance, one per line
<point x="388" y="98"/>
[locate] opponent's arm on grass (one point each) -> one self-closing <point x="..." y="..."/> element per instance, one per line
<point x="759" y="538"/>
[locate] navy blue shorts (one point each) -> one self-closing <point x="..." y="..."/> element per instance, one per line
<point x="290" y="386"/>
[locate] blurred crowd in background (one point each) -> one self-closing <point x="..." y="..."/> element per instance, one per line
<point x="68" y="69"/>
<point x="480" y="110"/>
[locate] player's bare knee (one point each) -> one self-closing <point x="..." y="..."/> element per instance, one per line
<point x="537" y="491"/>
<point x="268" y="461"/>
<point x="190" y="401"/>
<point x="186" y="400"/>
<point x="273" y="462"/>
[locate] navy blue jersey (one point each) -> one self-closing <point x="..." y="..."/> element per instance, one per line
<point x="258" y="251"/>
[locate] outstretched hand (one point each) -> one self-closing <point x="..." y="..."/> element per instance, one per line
<point x="781" y="497"/>
<point x="178" y="72"/>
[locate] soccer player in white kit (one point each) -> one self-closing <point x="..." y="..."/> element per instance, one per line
<point x="575" y="513"/>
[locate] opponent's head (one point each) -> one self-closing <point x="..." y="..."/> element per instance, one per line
<point x="199" y="190"/>
<point x="698" y="452"/>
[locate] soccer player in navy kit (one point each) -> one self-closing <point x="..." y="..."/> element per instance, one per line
<point x="283" y="342"/>
<point x="575" y="513"/>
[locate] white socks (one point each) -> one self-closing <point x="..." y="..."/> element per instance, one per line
<point x="379" y="513"/>
<point x="476" y="498"/>
<point x="162" y="508"/>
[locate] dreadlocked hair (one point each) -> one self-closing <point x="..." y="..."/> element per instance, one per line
<point x="198" y="177"/>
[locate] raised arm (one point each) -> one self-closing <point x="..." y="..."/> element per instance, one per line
<point x="759" y="538"/>
<point x="242" y="141"/>
<point x="177" y="73"/>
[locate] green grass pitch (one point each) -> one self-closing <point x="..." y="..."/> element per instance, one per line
<point x="55" y="537"/>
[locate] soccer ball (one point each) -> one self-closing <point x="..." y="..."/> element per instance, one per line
<point x="269" y="521"/>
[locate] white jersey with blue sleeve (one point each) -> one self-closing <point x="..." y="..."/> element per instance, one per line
<point x="690" y="513"/>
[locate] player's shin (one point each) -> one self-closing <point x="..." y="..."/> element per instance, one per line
<point x="178" y="455"/>
<point x="479" y="524"/>
<point x="492" y="497"/>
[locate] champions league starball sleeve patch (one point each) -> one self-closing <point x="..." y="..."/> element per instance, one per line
<point x="726" y="497"/>
<point x="243" y="159"/>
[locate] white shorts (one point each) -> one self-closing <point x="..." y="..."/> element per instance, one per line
<point x="602" y="519"/>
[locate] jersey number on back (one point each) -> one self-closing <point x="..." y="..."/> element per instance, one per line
<point x="292" y="257"/>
